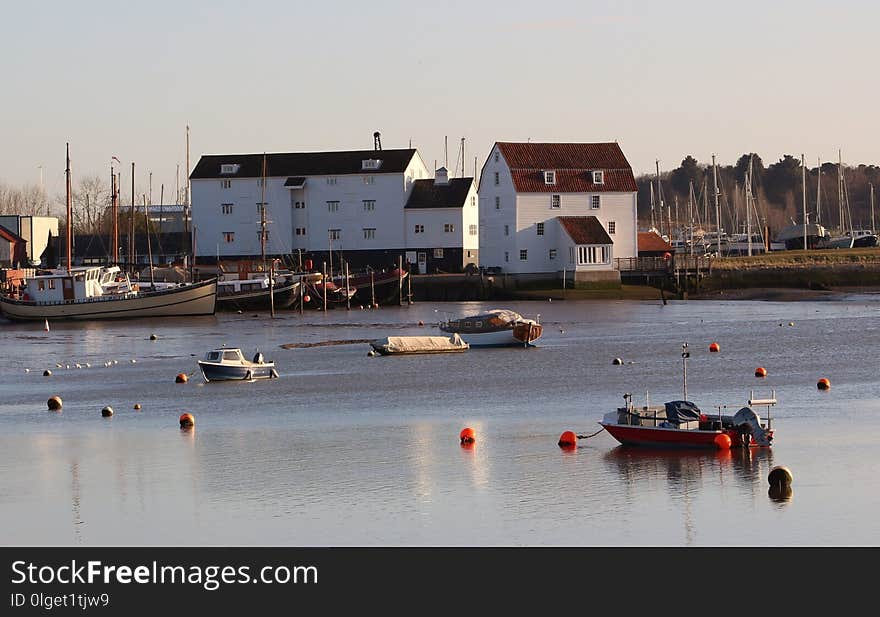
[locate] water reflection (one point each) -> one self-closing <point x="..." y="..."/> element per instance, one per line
<point x="780" y="493"/>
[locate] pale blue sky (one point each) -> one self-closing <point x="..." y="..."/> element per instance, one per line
<point x="665" y="79"/>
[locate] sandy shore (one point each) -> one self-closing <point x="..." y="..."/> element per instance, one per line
<point x="782" y="294"/>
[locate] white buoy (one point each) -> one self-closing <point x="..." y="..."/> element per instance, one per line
<point x="27" y="370"/>
<point x="46" y="326"/>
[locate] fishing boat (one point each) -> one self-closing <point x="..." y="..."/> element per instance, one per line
<point x="229" y="364"/>
<point x="375" y="286"/>
<point x="495" y="328"/>
<point x="315" y="291"/>
<point x="100" y="292"/>
<point x="405" y="345"/>
<point x="682" y="424"/>
<point x="103" y="292"/>
<point x="254" y="294"/>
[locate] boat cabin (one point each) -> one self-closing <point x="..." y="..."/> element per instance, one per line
<point x="80" y="283"/>
<point x="225" y="356"/>
<point x="238" y="286"/>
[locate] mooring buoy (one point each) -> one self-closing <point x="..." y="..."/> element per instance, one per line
<point x="107" y="411"/>
<point x="187" y="420"/>
<point x="54" y="403"/>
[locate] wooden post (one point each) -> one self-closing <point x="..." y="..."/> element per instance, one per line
<point x="302" y="285"/>
<point x="347" y="290"/>
<point x="324" y="286"/>
<point x="409" y="287"/>
<point x="372" y="291"/>
<point x="400" y="280"/>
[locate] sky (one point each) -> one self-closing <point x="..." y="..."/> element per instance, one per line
<point x="663" y="79"/>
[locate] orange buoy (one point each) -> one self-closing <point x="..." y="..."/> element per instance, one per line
<point x="823" y="384"/>
<point x="107" y="411"/>
<point x="307" y="298"/>
<point x="779" y="476"/>
<point x="54" y="403"/>
<point x="567" y="439"/>
<point x="722" y="441"/>
<point x="467" y="435"/>
<point x="760" y="372"/>
<point x="187" y="420"/>
<point x="714" y="347"/>
<point x="181" y="378"/>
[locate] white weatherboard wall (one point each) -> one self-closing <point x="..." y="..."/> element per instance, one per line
<point x="493" y="241"/>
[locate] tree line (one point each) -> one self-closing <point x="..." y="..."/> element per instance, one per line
<point x="837" y="196"/>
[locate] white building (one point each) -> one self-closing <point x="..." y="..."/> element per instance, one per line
<point x="442" y="224"/>
<point x="353" y="203"/>
<point x="38" y="231"/>
<point x="549" y="207"/>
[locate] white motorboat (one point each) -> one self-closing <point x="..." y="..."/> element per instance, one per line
<point x="229" y="364"/>
<point x="495" y="328"/>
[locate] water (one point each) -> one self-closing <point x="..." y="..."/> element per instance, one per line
<point x="346" y="449"/>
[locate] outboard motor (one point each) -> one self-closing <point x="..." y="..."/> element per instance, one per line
<point x="747" y="421"/>
<point x="258" y="358"/>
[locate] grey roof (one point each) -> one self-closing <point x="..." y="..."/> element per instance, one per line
<point x="427" y="194"/>
<point x="303" y="163"/>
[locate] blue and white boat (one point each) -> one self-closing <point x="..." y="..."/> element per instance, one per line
<point x="229" y="364"/>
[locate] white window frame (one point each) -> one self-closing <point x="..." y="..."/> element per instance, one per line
<point x="497" y="179"/>
<point x="497" y="202"/>
<point x="555" y="201"/>
<point x="226" y="208"/>
<point x="507" y="230"/>
<point x="448" y="228"/>
<point x="506" y="256"/>
<point x="472" y="230"/>
<point x="552" y="254"/>
<point x="369" y="180"/>
<point x="595" y="202"/>
<point x="438" y="253"/>
<point x="369" y="205"/>
<point x="226" y="184"/>
<point x="612" y="227"/>
<point x="331" y="180"/>
<point x="300" y="231"/>
<point x="229" y="236"/>
<point x="550" y="177"/>
<point x="539" y="229"/>
<point x="333" y="206"/>
<point x="369" y="233"/>
<point x="334" y="234"/>
<point x="598" y="177"/>
<point x="524" y="254"/>
<point x="419" y="229"/>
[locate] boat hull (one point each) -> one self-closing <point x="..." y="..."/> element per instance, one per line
<point x="661" y="437"/>
<point x="283" y="297"/>
<point x="522" y="335"/>
<point x="189" y="300"/>
<point x="224" y="372"/>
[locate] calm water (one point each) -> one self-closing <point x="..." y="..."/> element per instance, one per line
<point x="346" y="449"/>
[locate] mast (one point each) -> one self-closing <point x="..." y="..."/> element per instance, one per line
<point x="131" y="223"/>
<point x="263" y="239"/>
<point x="149" y="248"/>
<point x="840" y="191"/>
<point x="114" y="207"/>
<point x="659" y="197"/>
<point x="691" y="216"/>
<point x="804" y="174"/>
<point x="69" y="212"/>
<point x="717" y="207"/>
<point x="652" y="206"/>
<point x="819" y="192"/>
<point x="871" y="187"/>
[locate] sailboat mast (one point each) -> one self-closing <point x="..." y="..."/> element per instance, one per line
<point x="819" y="192"/>
<point x="748" y="188"/>
<point x="840" y="191"/>
<point x="69" y="237"/>
<point x="263" y="239"/>
<point x="871" y="186"/>
<point x="659" y="197"/>
<point x="717" y="207"/>
<point x="652" y="205"/>
<point x="691" y="217"/>
<point x="149" y="247"/>
<point x="131" y="224"/>
<point x="804" y="175"/>
<point x="114" y="201"/>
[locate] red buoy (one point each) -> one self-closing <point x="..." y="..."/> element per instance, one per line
<point x="823" y="384"/>
<point x="307" y="298"/>
<point x="568" y="439"/>
<point x="667" y="256"/>
<point x="760" y="372"/>
<point x="181" y="378"/>
<point x="187" y="420"/>
<point x="714" y="347"/>
<point x="722" y="441"/>
<point x="467" y="435"/>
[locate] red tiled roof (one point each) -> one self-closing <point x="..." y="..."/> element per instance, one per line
<point x="585" y="229"/>
<point x="651" y="241"/>
<point x="573" y="164"/>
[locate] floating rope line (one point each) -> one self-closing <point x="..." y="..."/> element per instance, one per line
<point x="593" y="435"/>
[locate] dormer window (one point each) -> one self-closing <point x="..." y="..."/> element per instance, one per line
<point x="371" y="163"/>
<point x="229" y="168"/>
<point x="598" y="177"/>
<point x="549" y="177"/>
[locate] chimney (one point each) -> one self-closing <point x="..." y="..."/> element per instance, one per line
<point x="441" y="176"/>
<point x="377" y="142"/>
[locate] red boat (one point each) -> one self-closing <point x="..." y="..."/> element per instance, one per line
<point x="681" y="424"/>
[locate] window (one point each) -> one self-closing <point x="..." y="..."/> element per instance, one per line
<point x="300" y="231"/>
<point x="506" y="256"/>
<point x="497" y="203"/>
<point x="331" y="181"/>
<point x="594" y="202"/>
<point x="473" y="201"/>
<point x="549" y="177"/>
<point x="335" y="234"/>
<point x="229" y="236"/>
<point x="299" y="205"/>
<point x="448" y="228"/>
<point x="41" y="285"/>
<point x="261" y="181"/>
<point x="555" y="201"/>
<point x="333" y="206"/>
<point x="496" y="156"/>
<point x="420" y="229"/>
<point x="472" y="230"/>
<point x="226" y="184"/>
<point x="612" y="227"/>
<point x="51" y="283"/>
<point x="552" y="253"/>
<point x="507" y="230"/>
<point x="598" y="177"/>
<point x="371" y="164"/>
<point x="438" y="253"/>
<point x="540" y="228"/>
<point x="496" y="179"/>
<point x="523" y="254"/>
<point x="261" y="206"/>
<point x="228" y="168"/>
<point x="369" y="179"/>
<point x="369" y="205"/>
<point x="259" y="239"/>
<point x="369" y="233"/>
<point x="226" y="208"/>
<point x="593" y="254"/>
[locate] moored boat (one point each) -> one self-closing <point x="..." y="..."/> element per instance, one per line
<point x="254" y="293"/>
<point x="495" y="328"/>
<point x="681" y="423"/>
<point x="229" y="364"/>
<point x="403" y="345"/>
